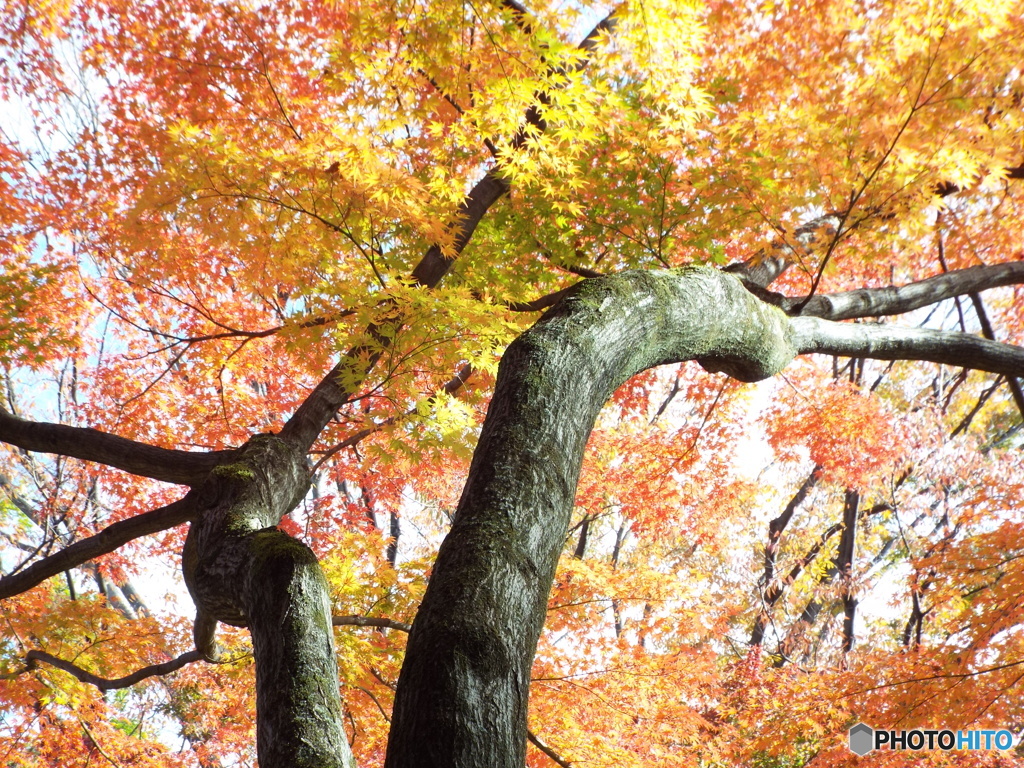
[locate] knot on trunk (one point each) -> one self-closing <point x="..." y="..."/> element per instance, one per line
<point x="252" y="493"/>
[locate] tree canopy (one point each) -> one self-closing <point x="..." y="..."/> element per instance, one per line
<point x="750" y="472"/>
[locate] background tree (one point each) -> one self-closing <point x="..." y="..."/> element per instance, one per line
<point x="275" y="253"/>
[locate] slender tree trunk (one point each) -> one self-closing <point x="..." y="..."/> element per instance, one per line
<point x="844" y="565"/>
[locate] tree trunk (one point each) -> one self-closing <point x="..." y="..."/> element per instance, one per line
<point x="462" y="694"/>
<point x="242" y="571"/>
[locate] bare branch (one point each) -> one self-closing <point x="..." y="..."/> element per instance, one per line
<point x="965" y="422"/>
<point x="548" y="300"/>
<point x="895" y="300"/>
<point x="547" y="750"/>
<point x="107" y="540"/>
<point x="435" y="265"/>
<point x="989" y="333"/>
<point x="603" y="27"/>
<point x="929" y="678"/>
<point x="367" y="621"/>
<point x="886" y="342"/>
<point x="169" y="465"/>
<point x="104" y="684"/>
<point x="843" y="563"/>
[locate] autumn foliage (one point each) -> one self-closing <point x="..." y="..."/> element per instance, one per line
<point x="206" y="204"/>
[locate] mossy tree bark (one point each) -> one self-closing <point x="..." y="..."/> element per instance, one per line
<point x="462" y="695"/>
<point x="243" y="571"/>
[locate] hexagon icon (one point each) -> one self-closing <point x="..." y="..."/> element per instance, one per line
<point x="862" y="739"/>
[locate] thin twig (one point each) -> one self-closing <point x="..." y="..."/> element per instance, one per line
<point x="547" y="750"/>
<point x="368" y="621"/>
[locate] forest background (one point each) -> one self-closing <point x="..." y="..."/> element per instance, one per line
<point x="208" y="205"/>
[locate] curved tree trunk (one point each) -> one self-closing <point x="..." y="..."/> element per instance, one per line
<point x="462" y="694"/>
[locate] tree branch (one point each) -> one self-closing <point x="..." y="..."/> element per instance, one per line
<point x="107" y="540"/>
<point x="886" y="342"/>
<point x="929" y="678"/>
<point x="451" y="387"/>
<point x="548" y="300"/>
<point x="843" y="562"/>
<point x="770" y="262"/>
<point x="435" y="265"/>
<point x="169" y="465"/>
<point x="604" y="27"/>
<point x="34" y="657"/>
<point x="989" y="333"/>
<point x="946" y="188"/>
<point x="763" y="267"/>
<point x="772" y="591"/>
<point x="547" y="750"/>
<point x="367" y="621"/>
<point x="895" y="300"/>
<point x="320" y="406"/>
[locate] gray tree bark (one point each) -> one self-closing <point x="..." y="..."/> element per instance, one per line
<point x="241" y="570"/>
<point x="462" y="694"/>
